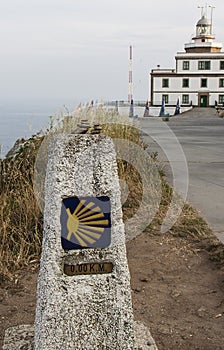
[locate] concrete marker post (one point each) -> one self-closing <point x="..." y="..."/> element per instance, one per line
<point x="84" y="297"/>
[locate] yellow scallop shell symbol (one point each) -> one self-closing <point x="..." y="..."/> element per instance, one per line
<point x="85" y="223"/>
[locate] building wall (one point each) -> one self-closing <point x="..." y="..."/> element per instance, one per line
<point x="193" y="92"/>
<point x="193" y="98"/>
<point x="193" y="61"/>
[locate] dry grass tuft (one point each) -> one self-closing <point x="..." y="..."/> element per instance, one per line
<point x="20" y="217"/>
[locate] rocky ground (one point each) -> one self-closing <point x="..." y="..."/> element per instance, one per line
<point x="177" y="290"/>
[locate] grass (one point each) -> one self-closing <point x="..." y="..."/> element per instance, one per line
<point x="21" y="219"/>
<point x="20" y="216"/>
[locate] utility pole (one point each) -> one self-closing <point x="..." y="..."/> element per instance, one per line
<point x="212" y="8"/>
<point x="130" y="84"/>
<point x="202" y="10"/>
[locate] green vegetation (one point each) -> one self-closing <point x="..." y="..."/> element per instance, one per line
<point x="21" y="219"/>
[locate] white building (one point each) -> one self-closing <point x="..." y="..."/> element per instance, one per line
<point x="198" y="78"/>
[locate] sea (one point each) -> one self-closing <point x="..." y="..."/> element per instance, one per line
<point x="22" y="120"/>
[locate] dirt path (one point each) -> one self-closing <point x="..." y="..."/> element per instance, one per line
<point x="177" y="291"/>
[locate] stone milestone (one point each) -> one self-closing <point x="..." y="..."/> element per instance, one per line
<point x="84" y="297"/>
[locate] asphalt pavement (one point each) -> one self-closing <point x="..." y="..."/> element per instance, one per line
<point x="191" y="149"/>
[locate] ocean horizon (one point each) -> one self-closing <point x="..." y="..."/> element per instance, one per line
<point x="22" y="120"/>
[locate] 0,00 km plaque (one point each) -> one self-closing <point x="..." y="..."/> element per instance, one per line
<point x="88" y="268"/>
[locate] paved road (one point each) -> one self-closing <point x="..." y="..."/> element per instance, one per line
<point x="200" y="132"/>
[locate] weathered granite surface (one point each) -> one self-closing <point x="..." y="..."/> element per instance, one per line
<point x="22" y="338"/>
<point x="87" y="311"/>
<point x="19" y="338"/>
<point x="143" y="336"/>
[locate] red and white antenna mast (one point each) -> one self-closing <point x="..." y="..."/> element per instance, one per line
<point x="130" y="84"/>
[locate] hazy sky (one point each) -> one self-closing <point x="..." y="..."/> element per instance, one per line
<point x="79" y="49"/>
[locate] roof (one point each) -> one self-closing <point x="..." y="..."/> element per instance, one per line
<point x="203" y="21"/>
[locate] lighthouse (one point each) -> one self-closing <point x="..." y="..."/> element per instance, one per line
<point x="203" y="41"/>
<point x="198" y="79"/>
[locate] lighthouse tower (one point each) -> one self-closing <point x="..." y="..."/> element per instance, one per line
<point x="203" y="41"/>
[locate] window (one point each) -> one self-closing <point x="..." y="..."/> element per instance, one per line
<point x="221" y="82"/>
<point x="165" y="98"/>
<point x="165" y="83"/>
<point x="186" y="65"/>
<point x="203" y="83"/>
<point x="204" y="65"/>
<point x="185" y="83"/>
<point x="221" y="64"/>
<point x="221" y="99"/>
<point x="185" y="99"/>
